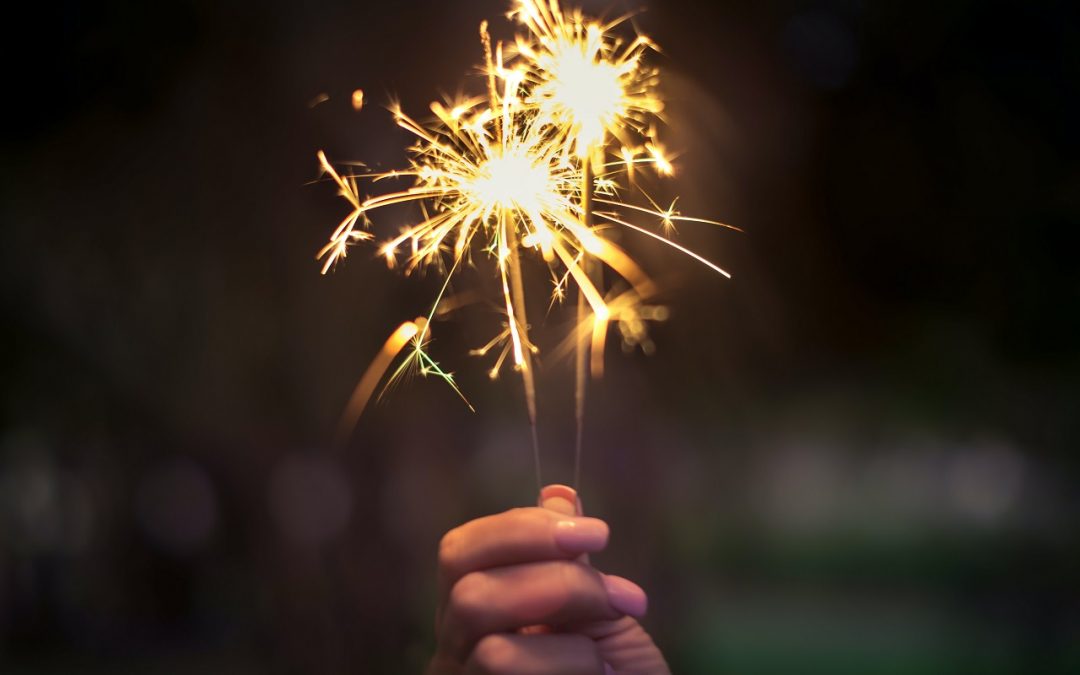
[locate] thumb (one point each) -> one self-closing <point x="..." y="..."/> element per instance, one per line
<point x="560" y="499"/>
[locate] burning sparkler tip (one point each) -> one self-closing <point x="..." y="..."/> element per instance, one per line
<point x="522" y="169"/>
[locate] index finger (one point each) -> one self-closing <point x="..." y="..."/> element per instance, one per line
<point x="520" y="535"/>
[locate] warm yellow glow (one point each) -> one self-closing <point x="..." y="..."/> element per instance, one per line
<point x="511" y="181"/>
<point x="539" y="163"/>
<point x="663" y="165"/>
<point x="583" y="79"/>
<point x="585" y="91"/>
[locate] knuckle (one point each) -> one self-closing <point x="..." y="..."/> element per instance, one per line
<point x="493" y="654"/>
<point x="450" y="549"/>
<point x="468" y="595"/>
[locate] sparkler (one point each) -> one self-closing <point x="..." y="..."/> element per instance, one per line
<point x="570" y="114"/>
<point x="587" y="86"/>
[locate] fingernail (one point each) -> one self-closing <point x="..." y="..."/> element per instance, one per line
<point x="561" y="499"/>
<point x="625" y="596"/>
<point x="581" y="535"/>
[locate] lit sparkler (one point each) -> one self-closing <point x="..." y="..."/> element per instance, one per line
<point x="583" y="79"/>
<point x="569" y="115"/>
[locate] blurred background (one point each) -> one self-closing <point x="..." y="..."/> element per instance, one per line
<point x="858" y="456"/>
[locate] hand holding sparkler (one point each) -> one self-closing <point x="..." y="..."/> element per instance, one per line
<point x="542" y="169"/>
<point x="518" y="597"/>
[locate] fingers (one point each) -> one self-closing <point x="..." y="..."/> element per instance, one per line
<point x="507" y="654"/>
<point x="551" y="593"/>
<point x="561" y="499"/>
<point x="516" y="536"/>
<point x="623" y="644"/>
<point x="626" y="647"/>
<point x="518" y="596"/>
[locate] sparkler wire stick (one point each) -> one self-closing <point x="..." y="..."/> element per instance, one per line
<point x="516" y="315"/>
<point x="581" y="349"/>
<point x="517" y="290"/>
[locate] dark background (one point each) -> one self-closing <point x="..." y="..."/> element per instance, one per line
<point x="858" y="456"/>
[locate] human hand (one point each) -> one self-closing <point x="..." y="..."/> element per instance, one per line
<point x="518" y="597"/>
